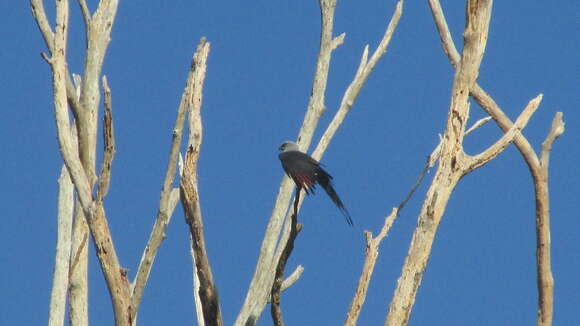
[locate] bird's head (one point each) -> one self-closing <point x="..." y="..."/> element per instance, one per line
<point x="288" y="146"/>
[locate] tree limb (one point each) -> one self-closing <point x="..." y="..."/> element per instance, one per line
<point x="190" y="201"/>
<point x="477" y="124"/>
<point x="39" y="14"/>
<point x="208" y="295"/>
<point x="543" y="243"/>
<point x="94" y="212"/>
<point x="165" y="209"/>
<point x="544" y="273"/>
<point x="451" y="164"/>
<point x="63" y="250"/>
<point x="371" y="255"/>
<point x="86" y="12"/>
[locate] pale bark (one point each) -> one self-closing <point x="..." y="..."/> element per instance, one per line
<point x="207" y="291"/>
<point x="63" y="250"/>
<point x="371" y="255"/>
<point x="543" y="241"/>
<point x="78" y="283"/>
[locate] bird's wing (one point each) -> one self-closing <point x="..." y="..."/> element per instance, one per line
<point x="302" y="168"/>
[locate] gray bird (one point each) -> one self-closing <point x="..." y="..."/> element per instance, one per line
<point x="306" y="173"/>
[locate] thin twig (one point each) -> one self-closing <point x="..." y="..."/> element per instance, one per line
<point x="290" y="280"/>
<point x="556" y="131"/>
<point x="478" y="124"/>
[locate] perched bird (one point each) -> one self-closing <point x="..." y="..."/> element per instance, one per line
<point x="306" y="173"/>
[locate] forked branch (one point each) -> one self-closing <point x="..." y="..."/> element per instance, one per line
<point x="538" y="170"/>
<point x="166" y="204"/>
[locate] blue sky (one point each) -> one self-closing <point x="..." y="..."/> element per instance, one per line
<point x="482" y="269"/>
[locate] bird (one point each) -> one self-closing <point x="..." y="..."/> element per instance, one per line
<point x="306" y="172"/>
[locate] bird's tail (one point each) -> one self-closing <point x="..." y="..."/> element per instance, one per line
<point x="325" y="181"/>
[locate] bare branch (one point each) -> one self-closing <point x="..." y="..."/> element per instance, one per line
<point x="556" y="131"/>
<point x="288" y="282"/>
<point x="95" y="215"/>
<point x="482" y="98"/>
<point x="98" y="39"/>
<point x="543" y="242"/>
<point x="195" y="99"/>
<point x="67" y="142"/>
<point x="67" y="148"/>
<point x="338" y="41"/>
<point x="41" y="19"/>
<point x="507" y="138"/>
<point x="295" y="276"/>
<point x="190" y="201"/>
<point x="477" y="125"/>
<point x="364" y="70"/>
<point x="450" y="168"/>
<point x="86" y="12"/>
<point x="195" y="273"/>
<point x="539" y="175"/>
<point x="109" y="144"/>
<point x="166" y="204"/>
<point x="60" y="279"/>
<point x="372" y="252"/>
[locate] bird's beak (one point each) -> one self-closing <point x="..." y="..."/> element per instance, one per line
<point x="281" y="147"/>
